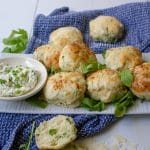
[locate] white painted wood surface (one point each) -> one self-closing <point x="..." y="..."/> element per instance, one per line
<point x="20" y="13"/>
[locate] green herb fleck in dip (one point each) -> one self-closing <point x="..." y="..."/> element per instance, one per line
<point x="15" y="81"/>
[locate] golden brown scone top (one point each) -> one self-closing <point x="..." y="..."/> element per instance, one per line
<point x="65" y="35"/>
<point x="48" y="55"/>
<point x="141" y="81"/>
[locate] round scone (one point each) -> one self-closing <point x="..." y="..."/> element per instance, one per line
<point x="48" y="55"/>
<point x="65" y="35"/>
<point x="106" y="29"/>
<point x="104" y="85"/>
<point x="55" y="133"/>
<point x="141" y="83"/>
<point x="65" y="88"/>
<point x="120" y="58"/>
<point x="74" y="55"/>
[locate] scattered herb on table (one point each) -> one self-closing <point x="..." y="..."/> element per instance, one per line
<point x="126" y="77"/>
<point x="16" y="42"/>
<point x="91" y="66"/>
<point x="26" y="146"/>
<point x="92" y="105"/>
<point x="37" y="101"/>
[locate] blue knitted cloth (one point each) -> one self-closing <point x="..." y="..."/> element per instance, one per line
<point x="135" y="17"/>
<point x="15" y="128"/>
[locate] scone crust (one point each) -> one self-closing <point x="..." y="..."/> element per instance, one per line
<point x="120" y="58"/>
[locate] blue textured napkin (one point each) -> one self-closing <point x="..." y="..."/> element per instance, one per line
<point x="135" y="17"/>
<point x="15" y="128"/>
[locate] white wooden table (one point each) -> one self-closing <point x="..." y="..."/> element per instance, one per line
<point x="20" y="14"/>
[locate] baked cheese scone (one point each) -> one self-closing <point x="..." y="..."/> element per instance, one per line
<point x="55" y="133"/>
<point x="65" y="88"/>
<point x="48" y="55"/>
<point x="120" y="58"/>
<point x="141" y="83"/>
<point x="104" y="85"/>
<point x="107" y="29"/>
<point x="65" y="35"/>
<point x="74" y="55"/>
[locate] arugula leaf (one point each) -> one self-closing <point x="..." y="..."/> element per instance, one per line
<point x="52" y="131"/>
<point x="52" y="71"/>
<point x="92" y="105"/>
<point x="122" y="105"/>
<point x="16" y="42"/>
<point x="104" y="54"/>
<point x="126" y="77"/>
<point x="91" y="66"/>
<point x="26" y="146"/>
<point x="37" y="101"/>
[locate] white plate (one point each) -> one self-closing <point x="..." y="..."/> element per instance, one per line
<point x="24" y="107"/>
<point x="31" y="63"/>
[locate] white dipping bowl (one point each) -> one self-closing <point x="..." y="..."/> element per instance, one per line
<point x="28" y="62"/>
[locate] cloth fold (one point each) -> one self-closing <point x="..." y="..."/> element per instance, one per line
<point x="15" y="128"/>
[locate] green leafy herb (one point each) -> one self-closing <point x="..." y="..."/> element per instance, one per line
<point x="37" y="101"/>
<point x="126" y="77"/>
<point x="16" y="42"/>
<point x="122" y="105"/>
<point x="52" y="131"/>
<point x="52" y="71"/>
<point x="92" y="105"/>
<point x="91" y="66"/>
<point x="2" y="81"/>
<point x="26" y="146"/>
<point x="104" y="54"/>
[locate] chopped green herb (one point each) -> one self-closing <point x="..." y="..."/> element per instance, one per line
<point x="92" y="105"/>
<point x="2" y="81"/>
<point x="101" y="66"/>
<point x="126" y="77"/>
<point x="18" y="86"/>
<point x="37" y="101"/>
<point x="26" y="146"/>
<point x="52" y="131"/>
<point x="52" y="71"/>
<point x="16" y="42"/>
